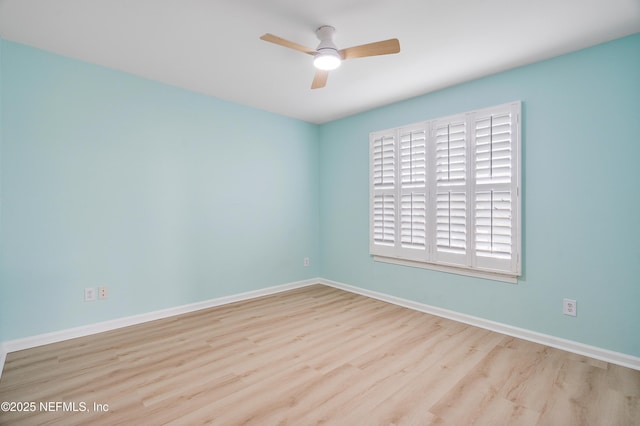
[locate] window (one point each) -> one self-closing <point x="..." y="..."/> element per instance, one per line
<point x="445" y="193"/>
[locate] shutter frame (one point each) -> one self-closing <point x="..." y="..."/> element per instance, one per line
<point x="383" y="193"/>
<point x="450" y="190"/>
<point x="412" y="187"/>
<point x="456" y="206"/>
<point x="496" y="194"/>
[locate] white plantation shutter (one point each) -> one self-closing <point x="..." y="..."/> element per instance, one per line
<point x="450" y="137"/>
<point x="496" y="188"/>
<point x="413" y="199"/>
<point x="446" y="193"/>
<point x="383" y="203"/>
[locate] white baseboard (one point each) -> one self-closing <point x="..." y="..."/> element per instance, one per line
<point x="521" y="333"/>
<point x="86" y="330"/>
<point x="545" y="339"/>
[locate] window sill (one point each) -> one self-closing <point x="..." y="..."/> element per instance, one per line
<point x="487" y="275"/>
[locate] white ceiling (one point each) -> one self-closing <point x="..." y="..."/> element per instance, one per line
<point x="213" y="46"/>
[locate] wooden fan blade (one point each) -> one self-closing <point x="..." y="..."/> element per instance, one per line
<point x="286" y="43"/>
<point x="385" y="47"/>
<point x="320" y="79"/>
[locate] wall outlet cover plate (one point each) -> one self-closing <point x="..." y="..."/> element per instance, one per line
<point x="569" y="307"/>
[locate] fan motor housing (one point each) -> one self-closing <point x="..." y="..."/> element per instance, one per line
<point x="325" y="35"/>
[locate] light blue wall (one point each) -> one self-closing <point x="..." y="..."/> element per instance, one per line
<point x="581" y="213"/>
<point x="170" y="197"/>
<point x="165" y="196"/>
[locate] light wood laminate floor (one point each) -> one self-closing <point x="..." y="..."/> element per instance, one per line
<point x="315" y="355"/>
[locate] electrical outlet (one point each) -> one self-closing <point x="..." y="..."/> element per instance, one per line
<point x="306" y="261"/>
<point x="569" y="307"/>
<point x="89" y="294"/>
<point x="103" y="293"/>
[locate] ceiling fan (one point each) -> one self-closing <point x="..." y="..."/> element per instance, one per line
<point x="327" y="57"/>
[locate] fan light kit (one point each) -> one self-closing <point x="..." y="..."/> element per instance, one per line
<point x="327" y="57"/>
<point x="327" y="60"/>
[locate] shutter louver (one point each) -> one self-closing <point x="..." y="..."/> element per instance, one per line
<point x="413" y="158"/>
<point x="413" y="227"/>
<point x="451" y="154"/>
<point x="493" y="224"/>
<point x="493" y="149"/>
<point x="384" y="162"/>
<point x="451" y="222"/>
<point x="384" y="220"/>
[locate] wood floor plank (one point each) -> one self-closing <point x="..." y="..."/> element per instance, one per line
<point x="315" y="355"/>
